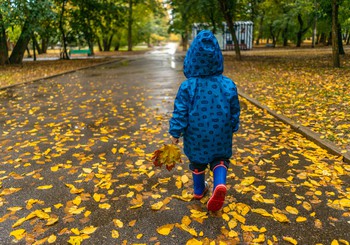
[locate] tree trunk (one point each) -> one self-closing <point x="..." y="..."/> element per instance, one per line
<point x="34" y="54"/>
<point x="300" y="34"/>
<point x="116" y="47"/>
<point x="64" y="54"/>
<point x="110" y="42"/>
<point x="21" y="45"/>
<point x="285" y="36"/>
<point x="99" y="45"/>
<point x="36" y="44"/>
<point x="302" y="31"/>
<point x="44" y="42"/>
<point x="184" y="39"/>
<point x="329" y="41"/>
<point x="348" y="41"/>
<point x="323" y="39"/>
<point x="340" y="40"/>
<point x="261" y="25"/>
<point x="226" y="10"/>
<point x="130" y="26"/>
<point x="314" y="33"/>
<point x="335" y="25"/>
<point x="4" y="54"/>
<point x="273" y="36"/>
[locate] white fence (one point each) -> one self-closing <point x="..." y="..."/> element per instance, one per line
<point x="243" y="30"/>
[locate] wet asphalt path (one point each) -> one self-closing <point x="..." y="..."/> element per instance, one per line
<point x="76" y="147"/>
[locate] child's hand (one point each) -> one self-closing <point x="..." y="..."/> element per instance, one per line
<point x="175" y="141"/>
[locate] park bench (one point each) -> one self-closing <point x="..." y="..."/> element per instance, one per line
<point x="79" y="51"/>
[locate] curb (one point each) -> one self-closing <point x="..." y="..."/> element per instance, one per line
<point x="308" y="133"/>
<point x="60" y="74"/>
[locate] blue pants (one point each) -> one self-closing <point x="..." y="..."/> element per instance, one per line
<point x="201" y="167"/>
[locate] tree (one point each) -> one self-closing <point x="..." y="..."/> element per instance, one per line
<point x="227" y="9"/>
<point x="153" y="5"/>
<point x="3" y="43"/>
<point x="182" y="18"/>
<point x="335" y="31"/>
<point x="28" y="15"/>
<point x="110" y="22"/>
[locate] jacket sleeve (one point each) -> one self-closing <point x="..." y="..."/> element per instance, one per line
<point x="179" y="120"/>
<point x="235" y="111"/>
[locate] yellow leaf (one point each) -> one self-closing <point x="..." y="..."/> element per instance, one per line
<point x="292" y="210"/>
<point x="51" y="239"/>
<point x="55" y="168"/>
<point x="307" y="206"/>
<point x="345" y="203"/>
<point x="19" y="222"/>
<point x="88" y="230"/>
<point x="58" y="205"/>
<point x="77" y="200"/>
<point x="9" y="191"/>
<point x="165" y="229"/>
<point x="75" y="210"/>
<point x="122" y="150"/>
<point x="186" y="220"/>
<point x="339" y="169"/>
<point x="260" y="239"/>
<point x="137" y="206"/>
<point x="75" y="240"/>
<point x="248" y="181"/>
<point x="97" y="197"/>
<point x="118" y="223"/>
<point x="301" y="219"/>
<point x="87" y="213"/>
<point x="344" y="241"/>
<point x="194" y="241"/>
<point x="262" y="212"/>
<point x="115" y="234"/>
<point x="114" y="150"/>
<point x="75" y="231"/>
<point x="42" y="215"/>
<point x="184" y="179"/>
<point x="232" y="224"/>
<point x="188" y="229"/>
<point x="232" y="233"/>
<point x="290" y="239"/>
<point x="104" y="206"/>
<point x="87" y="170"/>
<point x="14" y="209"/>
<point x="225" y="217"/>
<point x="132" y="223"/>
<point x="238" y="217"/>
<point x="18" y="234"/>
<point x="280" y="217"/>
<point x="139" y="236"/>
<point x="51" y="221"/>
<point x="157" y="206"/>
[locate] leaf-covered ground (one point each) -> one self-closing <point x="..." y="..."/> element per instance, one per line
<point x="75" y="169"/>
<point x="300" y="84"/>
<point x="29" y="71"/>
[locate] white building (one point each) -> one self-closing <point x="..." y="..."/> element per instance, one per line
<point x="244" y="34"/>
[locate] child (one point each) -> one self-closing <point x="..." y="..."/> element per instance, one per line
<point x="206" y="113"/>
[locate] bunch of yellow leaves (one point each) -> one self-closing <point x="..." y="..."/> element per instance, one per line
<point x="168" y="155"/>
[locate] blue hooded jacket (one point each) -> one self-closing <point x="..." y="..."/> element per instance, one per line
<point x="206" y="108"/>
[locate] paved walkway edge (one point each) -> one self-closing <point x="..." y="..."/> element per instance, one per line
<point x="308" y="133"/>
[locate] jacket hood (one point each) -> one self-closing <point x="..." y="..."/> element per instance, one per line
<point x="204" y="57"/>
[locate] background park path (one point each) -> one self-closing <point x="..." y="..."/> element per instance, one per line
<point x="75" y="168"/>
